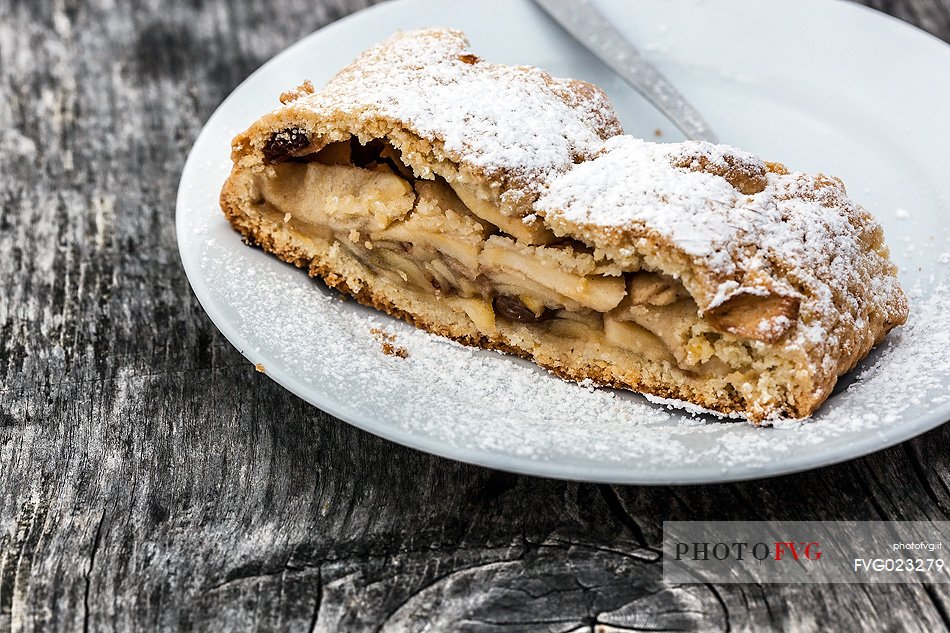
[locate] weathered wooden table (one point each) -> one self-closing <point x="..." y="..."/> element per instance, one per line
<point x="150" y="479"/>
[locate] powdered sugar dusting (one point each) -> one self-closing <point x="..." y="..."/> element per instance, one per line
<point x="468" y="402"/>
<point x="791" y="234"/>
<point x="279" y="318"/>
<point x="689" y="407"/>
<point x="641" y="186"/>
<point x="507" y="120"/>
<point x="634" y="182"/>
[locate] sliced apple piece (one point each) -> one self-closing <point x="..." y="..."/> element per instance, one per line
<point x="636" y="338"/>
<point x="335" y="154"/>
<point x="464" y="252"/>
<point x="594" y="292"/>
<point x="764" y="318"/>
<point x="442" y="223"/>
<point x="646" y="288"/>
<point x="514" y="284"/>
<point x="670" y="323"/>
<point x="478" y="310"/>
<point x="336" y="194"/>
<point x="406" y="268"/>
<point x="532" y="232"/>
<point x="581" y="330"/>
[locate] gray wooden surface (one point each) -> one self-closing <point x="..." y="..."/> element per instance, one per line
<point x="150" y="479"/>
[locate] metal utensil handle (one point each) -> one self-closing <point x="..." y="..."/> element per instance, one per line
<point x="584" y="21"/>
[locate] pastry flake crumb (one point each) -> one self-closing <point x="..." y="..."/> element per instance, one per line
<point x="382" y="335"/>
<point x="306" y="88"/>
<point x="387" y="341"/>
<point x="394" y="350"/>
<point x="260" y="368"/>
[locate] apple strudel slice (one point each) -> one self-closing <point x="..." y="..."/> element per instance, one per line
<point x="503" y="208"/>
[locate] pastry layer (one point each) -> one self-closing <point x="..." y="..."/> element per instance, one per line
<point x="578" y="346"/>
<point x="415" y="250"/>
<point x="503" y="211"/>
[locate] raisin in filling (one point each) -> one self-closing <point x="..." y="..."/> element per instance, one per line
<point x="283" y="144"/>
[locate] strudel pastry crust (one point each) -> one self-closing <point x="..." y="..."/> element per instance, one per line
<point x="504" y="208"/>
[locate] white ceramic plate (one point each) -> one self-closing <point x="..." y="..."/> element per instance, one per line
<point x="820" y="85"/>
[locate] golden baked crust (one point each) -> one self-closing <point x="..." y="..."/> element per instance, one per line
<point x="743" y="235"/>
<point x="689" y="271"/>
<point x="342" y="272"/>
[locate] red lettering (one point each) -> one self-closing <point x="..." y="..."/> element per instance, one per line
<point x="808" y="549"/>
<point x="782" y="546"/>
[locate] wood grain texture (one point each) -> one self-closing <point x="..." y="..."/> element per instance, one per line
<point x="150" y="479"/>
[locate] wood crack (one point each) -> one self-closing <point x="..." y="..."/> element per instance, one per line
<point x="938" y="605"/>
<point x="921" y="476"/>
<point x="241" y="575"/>
<point x="615" y="505"/>
<point x="431" y="583"/>
<point x="317" y="601"/>
<point x="558" y="542"/>
<point x="869" y="494"/>
<point x="722" y="604"/>
<point x="87" y="577"/>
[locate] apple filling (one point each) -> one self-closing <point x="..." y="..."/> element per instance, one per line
<point x="451" y="243"/>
